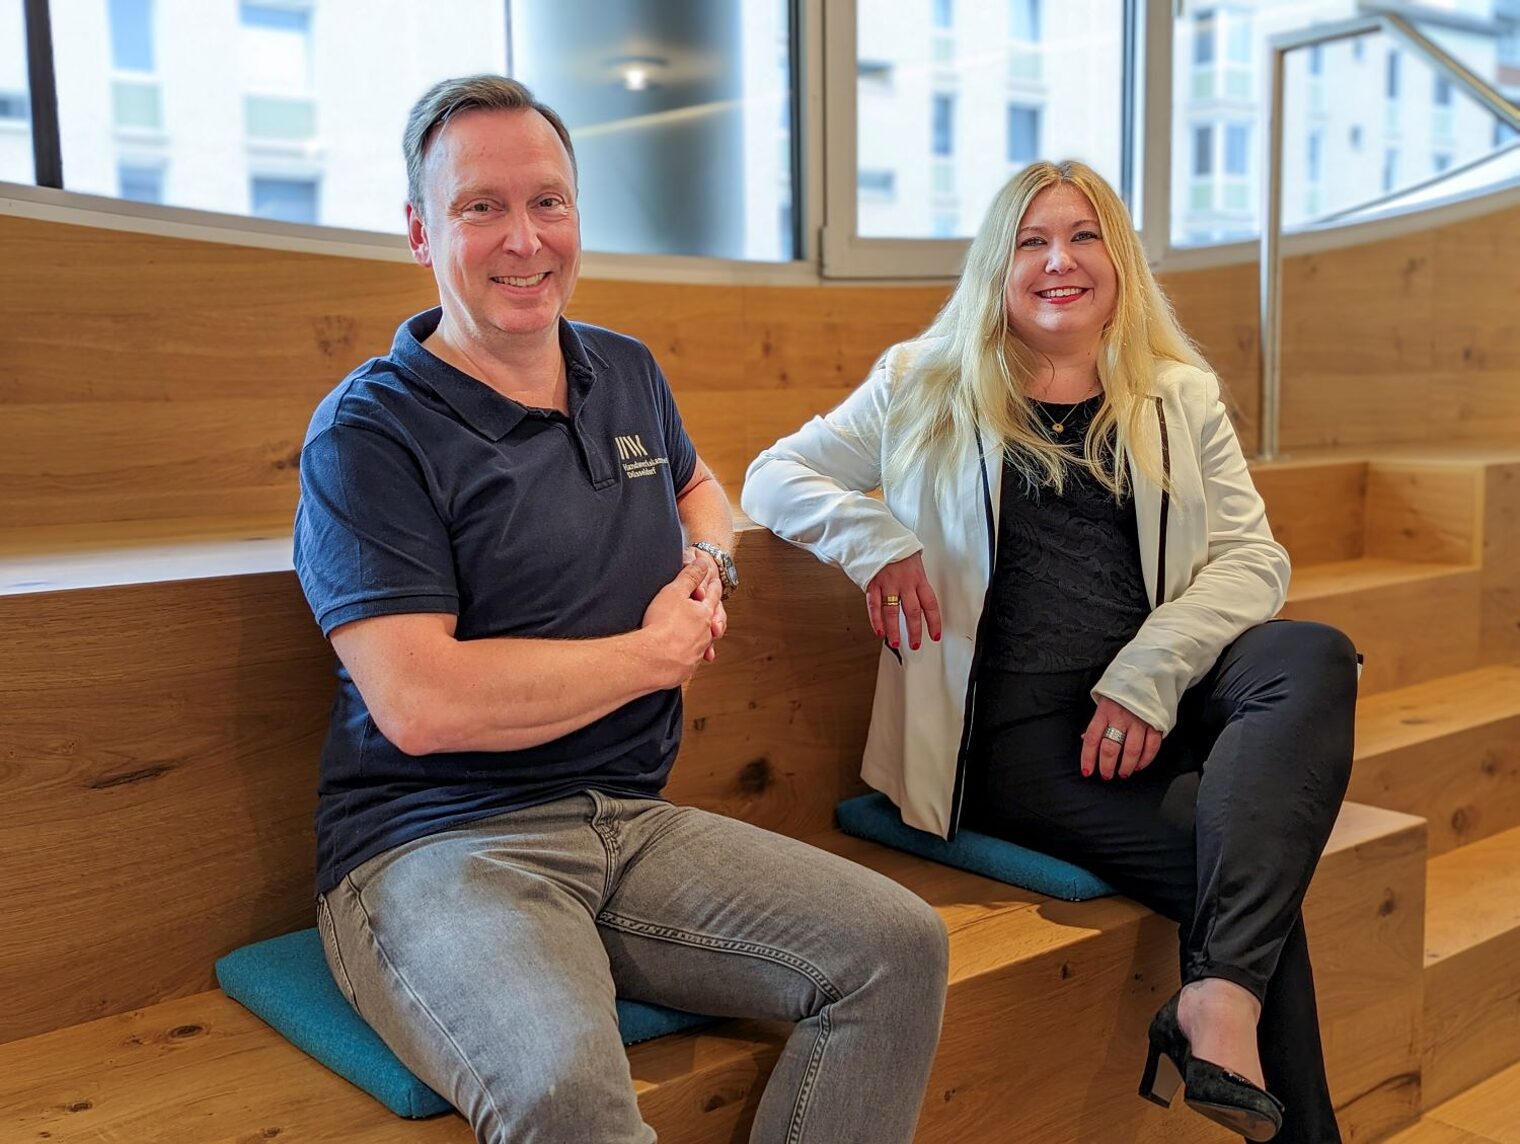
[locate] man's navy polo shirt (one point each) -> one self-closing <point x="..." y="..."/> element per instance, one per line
<point x="424" y="490"/>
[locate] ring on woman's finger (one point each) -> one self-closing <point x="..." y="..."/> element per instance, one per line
<point x="891" y="601"/>
<point x="1113" y="734"/>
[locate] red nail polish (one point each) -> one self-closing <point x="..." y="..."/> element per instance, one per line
<point x="915" y="647"/>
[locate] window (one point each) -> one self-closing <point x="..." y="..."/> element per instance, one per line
<point x="285" y="199"/>
<point x="1390" y="169"/>
<point x="1022" y="81"/>
<point x="1023" y="134"/>
<point x="276" y="43"/>
<point x="1314" y="160"/>
<point x="874" y="72"/>
<point x="943" y="125"/>
<point x="1391" y="86"/>
<point x="878" y="182"/>
<point x="15" y="98"/>
<point x="136" y="104"/>
<point x="1355" y="136"/>
<point x="132" y="35"/>
<point x="1024" y="21"/>
<point x="140" y="182"/>
<point x="1237" y="148"/>
<point x="1440" y="160"/>
<point x="232" y="92"/>
<point x="1203" y="150"/>
<point x="1219" y="82"/>
<point x="1442" y="93"/>
<point x="944" y="13"/>
<point x="1203" y="39"/>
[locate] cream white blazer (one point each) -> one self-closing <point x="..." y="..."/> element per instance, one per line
<point x="1211" y="567"/>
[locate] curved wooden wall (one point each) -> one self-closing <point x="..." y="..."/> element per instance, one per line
<point x="160" y="387"/>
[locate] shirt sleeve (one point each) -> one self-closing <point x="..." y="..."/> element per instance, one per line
<point x="678" y="447"/>
<point x="369" y="540"/>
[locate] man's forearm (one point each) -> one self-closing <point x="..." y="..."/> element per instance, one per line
<point x="430" y="693"/>
<point x="706" y="514"/>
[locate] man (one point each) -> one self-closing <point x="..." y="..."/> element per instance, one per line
<point x="491" y="534"/>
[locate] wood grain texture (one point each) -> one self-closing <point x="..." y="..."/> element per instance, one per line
<point x="159" y="763"/>
<point x="208" y="358"/>
<point x="181" y="390"/>
<point x="1448" y="750"/>
<point x="1487" y="1111"/>
<point x="1318" y="510"/>
<point x="1077" y="982"/>
<point x="1472" y="945"/>
<point x="1379" y="603"/>
<point x="1425" y="512"/>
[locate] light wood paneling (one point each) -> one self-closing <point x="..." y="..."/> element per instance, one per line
<point x="1501" y="563"/>
<point x="179" y="388"/>
<point x="1472" y="940"/>
<point x="166" y="736"/>
<point x="1076" y="981"/>
<point x="1425" y="512"/>
<point x="1217" y="307"/>
<point x="1487" y="1111"/>
<point x="1448" y="750"/>
<point x="1317" y="510"/>
<point x="1379" y="603"/>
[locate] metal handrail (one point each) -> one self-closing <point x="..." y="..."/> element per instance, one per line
<point x="1270" y="337"/>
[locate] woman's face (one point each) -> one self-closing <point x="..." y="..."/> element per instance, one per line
<point x="1063" y="286"/>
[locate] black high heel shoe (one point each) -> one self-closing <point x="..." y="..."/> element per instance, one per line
<point x="1224" y="1097"/>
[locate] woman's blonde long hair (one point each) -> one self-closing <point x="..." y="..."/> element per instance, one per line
<point x="974" y="372"/>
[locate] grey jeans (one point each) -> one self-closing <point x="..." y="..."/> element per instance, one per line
<point x="488" y="958"/>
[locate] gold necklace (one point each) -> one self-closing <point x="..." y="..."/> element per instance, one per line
<point x="1058" y="425"/>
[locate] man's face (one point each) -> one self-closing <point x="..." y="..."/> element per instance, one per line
<point x="500" y="226"/>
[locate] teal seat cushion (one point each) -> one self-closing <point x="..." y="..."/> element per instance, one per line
<point x="285" y="982"/>
<point x="874" y="817"/>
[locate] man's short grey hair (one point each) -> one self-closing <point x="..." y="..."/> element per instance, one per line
<point x="448" y="98"/>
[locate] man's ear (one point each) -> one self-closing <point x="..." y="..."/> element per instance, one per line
<point x="417" y="237"/>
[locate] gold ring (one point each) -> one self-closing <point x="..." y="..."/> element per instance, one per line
<point x="890" y="601"/>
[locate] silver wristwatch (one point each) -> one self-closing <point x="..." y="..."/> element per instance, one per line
<point x="726" y="570"/>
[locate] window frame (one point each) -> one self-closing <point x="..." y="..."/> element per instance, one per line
<point x="844" y="254"/>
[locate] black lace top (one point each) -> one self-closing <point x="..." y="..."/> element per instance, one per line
<point x="1067" y="589"/>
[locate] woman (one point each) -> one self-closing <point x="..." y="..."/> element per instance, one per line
<point x="1067" y="514"/>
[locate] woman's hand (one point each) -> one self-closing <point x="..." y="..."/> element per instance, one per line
<point x="1102" y="754"/>
<point x="899" y="594"/>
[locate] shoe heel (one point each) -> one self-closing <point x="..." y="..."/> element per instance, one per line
<point x="1161" y="1079"/>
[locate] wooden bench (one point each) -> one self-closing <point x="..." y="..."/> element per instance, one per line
<point x="157" y="792"/>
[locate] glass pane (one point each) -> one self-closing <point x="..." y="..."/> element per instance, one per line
<point x="1361" y="118"/>
<point x="269" y="117"/>
<point x="1001" y="83"/>
<point x="681" y="110"/>
<point x="15" y="100"/>
<point x="134" y="105"/>
<point x="131" y="35"/>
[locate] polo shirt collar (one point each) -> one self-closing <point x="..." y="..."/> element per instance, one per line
<point x="478" y="405"/>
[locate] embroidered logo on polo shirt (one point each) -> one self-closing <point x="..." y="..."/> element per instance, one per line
<point x="635" y="457"/>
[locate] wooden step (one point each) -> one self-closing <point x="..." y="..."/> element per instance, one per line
<point x="1317" y="508"/>
<point x="1448" y="750"/>
<point x="1472" y="951"/>
<point x="1412" y="620"/>
<point x="164" y="736"/>
<point x="1487" y="1113"/>
<point x="1043" y="1038"/>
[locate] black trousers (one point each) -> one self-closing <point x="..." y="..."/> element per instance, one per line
<point x="1221" y="833"/>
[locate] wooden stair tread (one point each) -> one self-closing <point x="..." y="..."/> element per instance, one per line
<point x="1485" y="1112"/>
<point x="1335" y="577"/>
<point x="1422" y="712"/>
<point x="202" y="1068"/>
<point x="1472" y="896"/>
